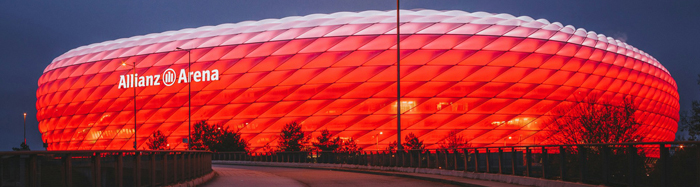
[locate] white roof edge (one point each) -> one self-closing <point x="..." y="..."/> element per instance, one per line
<point x="208" y="31"/>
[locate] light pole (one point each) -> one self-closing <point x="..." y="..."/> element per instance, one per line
<point x="520" y="139"/>
<point x="25" y="128"/>
<point x="189" y="97"/>
<point x="377" y="137"/>
<point x="398" y="80"/>
<point x="133" y="70"/>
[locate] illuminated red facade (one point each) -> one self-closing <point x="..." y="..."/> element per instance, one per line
<point x="489" y="76"/>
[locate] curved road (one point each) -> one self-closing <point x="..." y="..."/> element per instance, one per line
<point x="236" y="175"/>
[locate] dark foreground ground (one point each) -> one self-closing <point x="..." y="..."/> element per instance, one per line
<point x="250" y="176"/>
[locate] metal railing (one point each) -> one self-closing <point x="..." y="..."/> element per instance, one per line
<point x="623" y="164"/>
<point x="102" y="168"/>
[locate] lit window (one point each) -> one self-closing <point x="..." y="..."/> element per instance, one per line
<point x="406" y="105"/>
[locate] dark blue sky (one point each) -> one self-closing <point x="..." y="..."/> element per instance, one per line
<point x="32" y="33"/>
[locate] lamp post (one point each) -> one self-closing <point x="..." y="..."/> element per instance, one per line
<point x="377" y="137"/>
<point x="189" y="97"/>
<point x="398" y="81"/>
<point x="520" y="139"/>
<point x="133" y="70"/>
<point x="25" y="128"/>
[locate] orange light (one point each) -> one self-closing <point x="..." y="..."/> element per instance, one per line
<point x="355" y="90"/>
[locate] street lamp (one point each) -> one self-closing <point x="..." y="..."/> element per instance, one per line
<point x="520" y="139"/>
<point x="189" y="97"/>
<point x="377" y="137"/>
<point x="25" y="128"/>
<point x="398" y="81"/>
<point x="504" y="141"/>
<point x="133" y="70"/>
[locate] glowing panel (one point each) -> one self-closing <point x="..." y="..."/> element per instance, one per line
<point x="337" y="72"/>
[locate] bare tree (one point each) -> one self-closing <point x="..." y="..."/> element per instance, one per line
<point x="411" y="142"/>
<point x="691" y="122"/>
<point x="157" y="141"/>
<point x="454" y="140"/>
<point x="349" y="146"/>
<point x="326" y="142"/>
<point x="589" y="121"/>
<point x="22" y="147"/>
<point x="292" y="138"/>
<point x="202" y="136"/>
<point x="216" y="137"/>
<point x="391" y="147"/>
<point x="268" y="149"/>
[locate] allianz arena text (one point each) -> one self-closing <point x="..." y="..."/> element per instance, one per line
<point x="494" y="78"/>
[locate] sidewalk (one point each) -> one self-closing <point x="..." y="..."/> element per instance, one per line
<point x="444" y="176"/>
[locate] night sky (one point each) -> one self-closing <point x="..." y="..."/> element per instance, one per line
<point x="33" y="33"/>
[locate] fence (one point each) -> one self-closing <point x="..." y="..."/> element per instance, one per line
<point x="624" y="164"/>
<point x="102" y="168"/>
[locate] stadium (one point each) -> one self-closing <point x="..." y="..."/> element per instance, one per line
<point x="493" y="78"/>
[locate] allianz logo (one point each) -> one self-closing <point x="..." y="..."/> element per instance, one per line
<point x="168" y="78"/>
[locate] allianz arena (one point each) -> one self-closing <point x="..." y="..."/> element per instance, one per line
<point x="492" y="77"/>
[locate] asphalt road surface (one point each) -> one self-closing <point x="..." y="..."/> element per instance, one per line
<point x="251" y="176"/>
